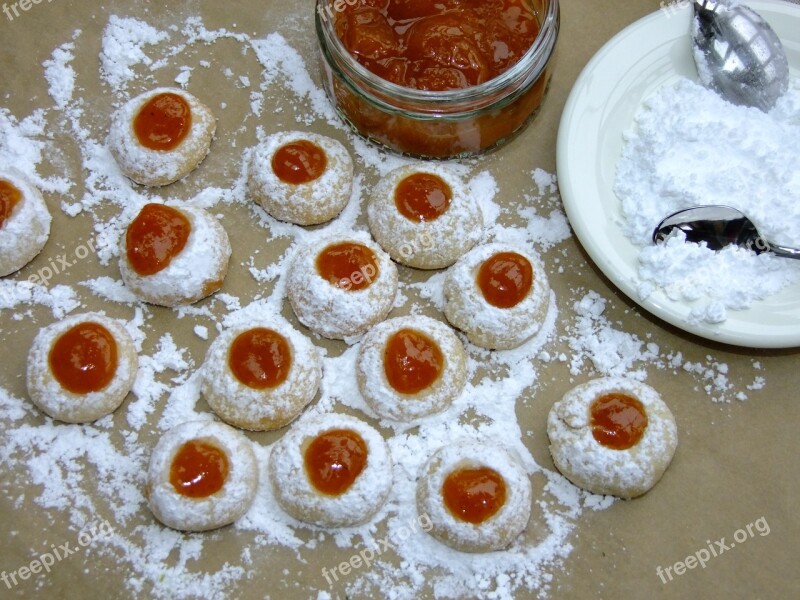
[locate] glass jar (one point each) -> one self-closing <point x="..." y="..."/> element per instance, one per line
<point x="436" y="124"/>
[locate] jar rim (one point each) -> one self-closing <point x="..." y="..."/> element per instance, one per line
<point x="541" y="47"/>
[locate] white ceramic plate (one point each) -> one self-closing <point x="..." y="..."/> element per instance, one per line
<point x="652" y="52"/>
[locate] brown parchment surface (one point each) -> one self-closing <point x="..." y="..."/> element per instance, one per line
<point x="736" y="462"/>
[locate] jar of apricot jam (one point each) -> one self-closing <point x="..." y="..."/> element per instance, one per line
<point x="437" y="78"/>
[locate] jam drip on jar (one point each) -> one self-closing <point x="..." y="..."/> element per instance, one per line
<point x="423" y="197"/>
<point x="348" y="266"/>
<point x="618" y="421"/>
<point x="334" y="460"/>
<point x="163" y="122"/>
<point x="199" y="469"/>
<point x="412" y="361"/>
<point x="442" y="45"/>
<point x="505" y="279"/>
<point x="260" y="358"/>
<point x="9" y="198"/>
<point x="155" y="237"/>
<point x="474" y="495"/>
<point x="299" y="162"/>
<point x="84" y="358"/>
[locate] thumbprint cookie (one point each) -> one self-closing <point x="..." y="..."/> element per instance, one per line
<point x="331" y="471"/>
<point x="498" y="295"/>
<point x="424" y="216"/>
<point x="612" y="435"/>
<point x="411" y="367"/>
<point x="339" y="286"/>
<point x="174" y="254"/>
<point x="202" y="475"/>
<point x="160" y="136"/>
<point x="24" y="221"/>
<point x="260" y="375"/>
<point x="476" y="495"/>
<point x="301" y="177"/>
<point x="81" y="368"/>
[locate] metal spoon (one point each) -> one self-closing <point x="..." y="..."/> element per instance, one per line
<point x="719" y="226"/>
<point x="738" y="54"/>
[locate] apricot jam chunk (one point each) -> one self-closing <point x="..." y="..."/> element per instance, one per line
<point x="505" y="279"/>
<point x="423" y="197"/>
<point x="260" y="358"/>
<point x="367" y="34"/>
<point x="199" y="469"/>
<point x="334" y="460"/>
<point x="442" y="45"/>
<point x="9" y="198"/>
<point x="474" y="494"/>
<point x="412" y="361"/>
<point x="163" y="122"/>
<point x="618" y="421"/>
<point x="299" y="162"/>
<point x="84" y="358"/>
<point x="156" y="236"/>
<point x="348" y="265"/>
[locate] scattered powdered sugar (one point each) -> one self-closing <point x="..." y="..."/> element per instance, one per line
<point x="60" y="74"/>
<point x="610" y="351"/>
<point x="60" y="299"/>
<point x="598" y="346"/>
<point x="124" y="41"/>
<point x="715" y="153"/>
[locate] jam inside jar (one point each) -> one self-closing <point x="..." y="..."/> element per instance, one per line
<point x="437" y="80"/>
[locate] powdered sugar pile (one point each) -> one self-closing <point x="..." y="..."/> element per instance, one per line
<point x="690" y="147"/>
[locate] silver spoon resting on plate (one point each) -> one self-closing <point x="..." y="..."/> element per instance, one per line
<point x="719" y="226"/>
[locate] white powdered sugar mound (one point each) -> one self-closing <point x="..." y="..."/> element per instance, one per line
<point x="689" y="147"/>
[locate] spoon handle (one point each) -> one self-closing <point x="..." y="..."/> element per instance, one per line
<point x="783" y="251"/>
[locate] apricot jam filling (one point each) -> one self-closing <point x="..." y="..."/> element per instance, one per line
<point x="474" y="494"/>
<point x="199" y="469"/>
<point x="260" y="358"/>
<point x="9" y="198"/>
<point x="423" y="197"/>
<point x="155" y="237"/>
<point x="412" y="361"/>
<point x="84" y="358"/>
<point x="505" y="279"/>
<point x="163" y="122"/>
<point x="348" y="265"/>
<point x="443" y="45"/>
<point x="618" y="420"/>
<point x="334" y="460"/>
<point x="299" y="162"/>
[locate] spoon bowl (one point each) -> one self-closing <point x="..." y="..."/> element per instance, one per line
<point x="719" y="226"/>
<point x="738" y="54"/>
